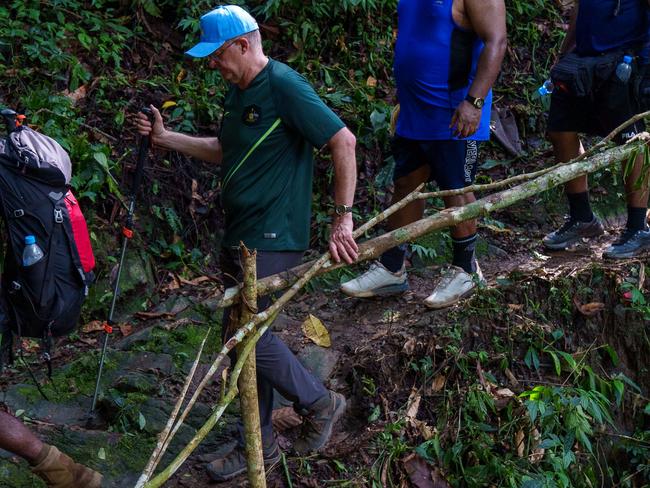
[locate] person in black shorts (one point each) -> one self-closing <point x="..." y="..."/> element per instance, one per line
<point x="602" y="35"/>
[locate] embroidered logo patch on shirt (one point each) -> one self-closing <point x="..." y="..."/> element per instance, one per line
<point x="252" y="114"/>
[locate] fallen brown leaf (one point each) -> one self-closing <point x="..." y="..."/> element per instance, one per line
<point x="538" y="453"/>
<point x="315" y="331"/>
<point x="93" y="326"/>
<point x="438" y="383"/>
<point x="589" y="309"/>
<point x="413" y="405"/>
<point x="409" y="346"/>
<point x="76" y="95"/>
<point x="519" y="443"/>
<point x="502" y="397"/>
<point x="513" y="380"/>
<point x="421" y="474"/>
<point x="88" y="341"/>
<point x="126" y="329"/>
<point x="154" y="315"/>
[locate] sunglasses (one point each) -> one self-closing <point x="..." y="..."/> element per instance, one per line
<point x="219" y="52"/>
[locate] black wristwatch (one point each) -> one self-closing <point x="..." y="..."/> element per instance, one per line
<point x="476" y="102"/>
<point x="342" y="209"/>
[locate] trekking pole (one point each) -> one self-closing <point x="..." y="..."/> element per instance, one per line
<point x="127" y="233"/>
<point x="13" y="120"/>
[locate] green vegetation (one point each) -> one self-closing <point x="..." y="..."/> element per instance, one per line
<point x="558" y="426"/>
<point x="81" y="68"/>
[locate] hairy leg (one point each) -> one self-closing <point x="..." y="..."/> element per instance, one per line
<point x="566" y="146"/>
<point x="17" y="438"/>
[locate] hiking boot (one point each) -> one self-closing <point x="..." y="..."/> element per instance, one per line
<point x="377" y="281"/>
<point x="630" y="244"/>
<point x="234" y="463"/>
<point x="318" y="423"/>
<point x="60" y="471"/>
<point x="454" y="285"/>
<point x="571" y="232"/>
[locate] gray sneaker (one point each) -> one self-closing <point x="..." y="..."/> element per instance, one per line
<point x="630" y="244"/>
<point x="571" y="232"/>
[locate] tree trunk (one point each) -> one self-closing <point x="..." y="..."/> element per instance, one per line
<point x="249" y="402"/>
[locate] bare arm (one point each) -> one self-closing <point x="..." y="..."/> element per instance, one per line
<point x="205" y="148"/>
<point x="569" y="41"/>
<point x="342" y="145"/>
<point x="488" y="20"/>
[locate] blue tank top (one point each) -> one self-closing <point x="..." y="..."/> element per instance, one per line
<point x="609" y="25"/>
<point x="434" y="66"/>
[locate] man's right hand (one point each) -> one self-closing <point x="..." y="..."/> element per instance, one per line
<point x="145" y="128"/>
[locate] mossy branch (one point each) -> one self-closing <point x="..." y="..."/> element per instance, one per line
<point x="449" y="217"/>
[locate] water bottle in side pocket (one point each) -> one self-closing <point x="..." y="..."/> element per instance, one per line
<point x="32" y="253"/>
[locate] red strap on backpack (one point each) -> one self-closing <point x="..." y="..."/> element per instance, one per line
<point x="80" y="233"/>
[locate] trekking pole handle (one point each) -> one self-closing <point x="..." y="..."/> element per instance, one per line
<point x="142" y="154"/>
<point x="10" y="119"/>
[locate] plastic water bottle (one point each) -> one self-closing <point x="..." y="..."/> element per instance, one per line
<point x="546" y="89"/>
<point x="624" y="69"/>
<point x="32" y="253"/>
<point x="543" y="94"/>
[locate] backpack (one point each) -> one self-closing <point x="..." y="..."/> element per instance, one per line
<point x="35" y="199"/>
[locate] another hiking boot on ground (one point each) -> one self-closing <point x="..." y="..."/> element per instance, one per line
<point x="234" y="463"/>
<point x="60" y="471"/>
<point x="318" y="423"/>
<point x="377" y="281"/>
<point x="455" y="284"/>
<point x="571" y="232"/>
<point x="630" y="244"/>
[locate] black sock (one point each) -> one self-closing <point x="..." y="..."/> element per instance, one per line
<point x="393" y="259"/>
<point x="464" y="253"/>
<point x="636" y="218"/>
<point x="579" y="208"/>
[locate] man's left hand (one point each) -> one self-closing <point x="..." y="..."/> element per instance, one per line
<point x="465" y="120"/>
<point x="342" y="245"/>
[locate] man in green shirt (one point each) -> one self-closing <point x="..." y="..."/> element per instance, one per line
<point x="272" y="121"/>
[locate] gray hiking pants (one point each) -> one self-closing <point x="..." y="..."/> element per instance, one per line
<point x="277" y="367"/>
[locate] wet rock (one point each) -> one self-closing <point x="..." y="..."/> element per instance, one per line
<point x="135" y="381"/>
<point x="29" y="400"/>
<point x="174" y="305"/>
<point x="320" y="361"/>
<point x="137" y="338"/>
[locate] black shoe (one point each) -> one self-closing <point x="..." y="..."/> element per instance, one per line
<point x="234" y="463"/>
<point x="318" y="424"/>
<point x="630" y="244"/>
<point x="571" y="232"/>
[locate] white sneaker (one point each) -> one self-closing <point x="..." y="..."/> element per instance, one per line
<point x="375" y="282"/>
<point x="454" y="285"/>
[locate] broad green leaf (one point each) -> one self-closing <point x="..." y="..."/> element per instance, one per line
<point x="556" y="363"/>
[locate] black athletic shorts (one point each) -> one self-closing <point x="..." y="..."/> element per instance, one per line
<point x="609" y="105"/>
<point x="452" y="163"/>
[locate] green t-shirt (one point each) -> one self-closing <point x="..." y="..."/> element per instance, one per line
<point x="268" y="134"/>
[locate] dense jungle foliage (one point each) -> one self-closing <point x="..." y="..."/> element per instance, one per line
<point x="80" y="69"/>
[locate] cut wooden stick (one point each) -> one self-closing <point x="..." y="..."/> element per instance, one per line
<point x="249" y="404"/>
<point x="162" y="437"/>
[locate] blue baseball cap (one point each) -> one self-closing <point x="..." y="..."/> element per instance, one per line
<point x="219" y="26"/>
